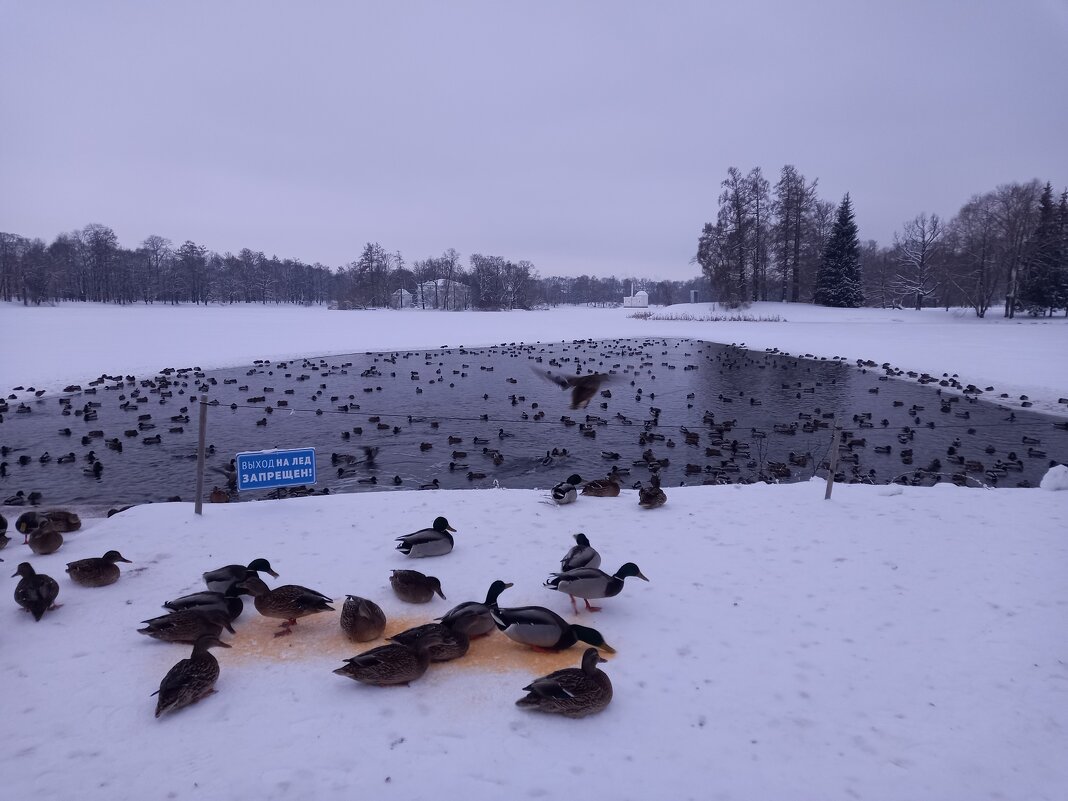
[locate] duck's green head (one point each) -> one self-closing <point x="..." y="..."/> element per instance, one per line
<point x="262" y="566"/>
<point x="574" y="479"/>
<point x="441" y="524"/>
<point x="495" y="590"/>
<point x="581" y="539"/>
<point x="628" y="570"/>
<point x="593" y="637"/>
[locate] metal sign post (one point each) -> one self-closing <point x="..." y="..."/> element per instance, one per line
<point x="198" y="506"/>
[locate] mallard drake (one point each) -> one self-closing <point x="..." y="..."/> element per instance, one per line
<point x="97" y="571"/>
<point x="572" y="692"/>
<point x="652" y="496"/>
<point x="289" y="602"/>
<point x="36" y="592"/>
<point x="226" y="577"/>
<point x="589" y="582"/>
<point x="433" y="541"/>
<point x="474" y="618"/>
<point x="543" y="629"/>
<point x="391" y="664"/>
<point x="28" y="522"/>
<point x="191" y="679"/>
<point x="453" y="643"/>
<point x="45" y="539"/>
<point x="583" y="387"/>
<point x="601" y="488"/>
<point x="228" y="602"/>
<point x="414" y="587"/>
<point x="582" y="554"/>
<point x="566" y="491"/>
<point x="362" y="620"/>
<point x="187" y="625"/>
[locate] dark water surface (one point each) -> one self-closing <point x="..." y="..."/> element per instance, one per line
<point x="749" y="416"/>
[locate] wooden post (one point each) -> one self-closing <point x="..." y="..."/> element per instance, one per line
<point x="833" y="461"/>
<point x="198" y="508"/>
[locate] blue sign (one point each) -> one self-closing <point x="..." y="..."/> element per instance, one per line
<point x="266" y="469"/>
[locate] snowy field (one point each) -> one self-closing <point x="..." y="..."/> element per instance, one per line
<point x="889" y="644"/>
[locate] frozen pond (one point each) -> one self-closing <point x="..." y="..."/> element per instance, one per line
<point x="693" y="411"/>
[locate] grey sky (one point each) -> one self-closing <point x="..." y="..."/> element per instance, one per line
<point x="586" y="137"/>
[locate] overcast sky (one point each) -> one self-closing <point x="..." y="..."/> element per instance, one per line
<point x="585" y="137"/>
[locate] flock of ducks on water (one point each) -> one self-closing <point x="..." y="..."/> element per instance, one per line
<point x="201" y="618"/>
<point x="732" y="452"/>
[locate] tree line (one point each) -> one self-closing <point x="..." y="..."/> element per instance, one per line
<point x="785" y="243"/>
<point x="91" y="265"/>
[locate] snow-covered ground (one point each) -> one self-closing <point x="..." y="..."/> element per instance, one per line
<point x="891" y="643"/>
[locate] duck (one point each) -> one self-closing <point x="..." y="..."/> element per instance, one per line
<point x="45" y="539"/>
<point x="473" y="618"/>
<point x="566" y="491"/>
<point x="18" y="499"/>
<point x="391" y="664"/>
<point x="414" y="587"/>
<point x="63" y="520"/>
<point x="28" y="522"/>
<point x="288" y="602"/>
<point x="191" y="679"/>
<point x="572" y="692"/>
<point x="187" y="625"/>
<point x="581" y="554"/>
<point x="94" y="471"/>
<point x="224" y="578"/>
<point x="35" y="592"/>
<point x="601" y="488"/>
<point x="589" y="582"/>
<point x="544" y="630"/>
<point x="583" y="387"/>
<point x="434" y="541"/>
<point x="652" y="496"/>
<point x="228" y="602"/>
<point x="97" y="571"/>
<point x="362" y="620"/>
<point x="4" y="539"/>
<point x="453" y="643"/>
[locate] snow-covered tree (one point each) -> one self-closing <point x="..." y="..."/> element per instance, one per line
<point x="838" y="277"/>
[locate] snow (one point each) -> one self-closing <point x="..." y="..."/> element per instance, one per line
<point x="890" y="643"/>
<point x="1056" y="478"/>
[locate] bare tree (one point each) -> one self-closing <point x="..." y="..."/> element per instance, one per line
<point x="973" y="245"/>
<point x="1016" y="212"/>
<point x="920" y="266"/>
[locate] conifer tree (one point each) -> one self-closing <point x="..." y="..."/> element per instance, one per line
<point x="838" y="278"/>
<point x="1043" y="287"/>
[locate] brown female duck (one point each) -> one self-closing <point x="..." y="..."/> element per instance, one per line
<point x="97" y="571"/>
<point x="288" y="602"/>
